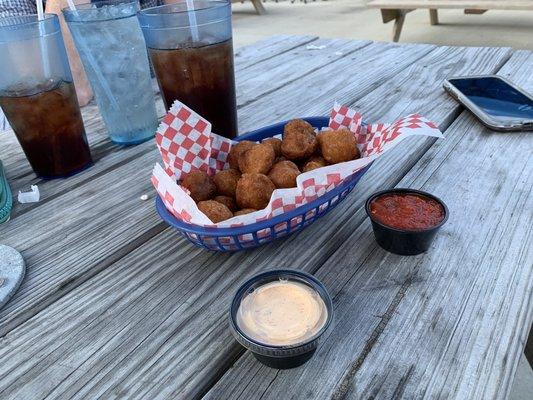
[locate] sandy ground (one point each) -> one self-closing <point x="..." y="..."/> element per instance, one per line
<point x="351" y="19"/>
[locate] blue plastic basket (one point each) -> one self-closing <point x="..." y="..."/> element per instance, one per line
<point x="253" y="235"/>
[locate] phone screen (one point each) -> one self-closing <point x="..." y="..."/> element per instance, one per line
<point x="496" y="98"/>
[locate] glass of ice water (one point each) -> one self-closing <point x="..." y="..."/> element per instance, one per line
<point x="112" y="49"/>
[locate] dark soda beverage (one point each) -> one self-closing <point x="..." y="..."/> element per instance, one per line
<point x="202" y="78"/>
<point x="47" y="122"/>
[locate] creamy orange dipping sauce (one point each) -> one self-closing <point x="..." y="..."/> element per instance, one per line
<point x="282" y="313"/>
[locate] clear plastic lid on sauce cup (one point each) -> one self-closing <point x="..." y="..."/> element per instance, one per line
<point x="280" y="316"/>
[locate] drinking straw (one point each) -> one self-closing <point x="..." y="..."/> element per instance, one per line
<point x="42" y="40"/>
<point x="71" y="5"/>
<point x="192" y="20"/>
<point x="92" y="61"/>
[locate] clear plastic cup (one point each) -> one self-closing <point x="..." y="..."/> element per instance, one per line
<point x="112" y="49"/>
<point x="191" y="49"/>
<point x="38" y="97"/>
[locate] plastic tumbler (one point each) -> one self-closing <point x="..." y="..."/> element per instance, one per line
<point x="112" y="49"/>
<point x="191" y="48"/>
<point x="38" y="97"/>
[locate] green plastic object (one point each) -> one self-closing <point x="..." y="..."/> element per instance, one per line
<point x="6" y="199"/>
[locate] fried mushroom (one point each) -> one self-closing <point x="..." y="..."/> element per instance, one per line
<point x="314" y="163"/>
<point x="283" y="174"/>
<point x="244" y="211"/>
<point x="226" y="181"/>
<point x="254" y="191"/>
<point x="258" y="159"/>
<point x="338" y="146"/>
<point x="215" y="211"/>
<point x="200" y="185"/>
<point x="275" y="143"/>
<point x="227" y="201"/>
<point x="299" y="140"/>
<point x="236" y="151"/>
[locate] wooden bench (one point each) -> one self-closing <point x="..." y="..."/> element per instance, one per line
<point x="395" y="10"/>
<point x="257" y="5"/>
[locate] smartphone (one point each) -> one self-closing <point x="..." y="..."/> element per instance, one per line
<point x="497" y="103"/>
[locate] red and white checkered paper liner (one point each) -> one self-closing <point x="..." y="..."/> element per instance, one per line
<point x="186" y="143"/>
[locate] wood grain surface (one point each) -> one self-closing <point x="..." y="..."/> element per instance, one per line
<point x="116" y="305"/>
<point x="457" y="4"/>
<point x="108" y="156"/>
<point x="437" y="325"/>
<point x="123" y="186"/>
<point x="127" y="171"/>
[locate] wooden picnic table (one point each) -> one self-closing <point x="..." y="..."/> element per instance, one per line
<point x="396" y="10"/>
<point x="116" y="304"/>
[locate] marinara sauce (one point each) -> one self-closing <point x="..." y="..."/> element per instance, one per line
<point x="407" y="211"/>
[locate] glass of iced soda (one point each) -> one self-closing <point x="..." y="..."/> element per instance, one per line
<point x="191" y="48"/>
<point x="38" y="97"/>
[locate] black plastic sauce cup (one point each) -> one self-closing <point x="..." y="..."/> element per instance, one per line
<point x="280" y="357"/>
<point x="402" y="241"/>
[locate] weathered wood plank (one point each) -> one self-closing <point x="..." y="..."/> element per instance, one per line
<point x="389" y="15"/>
<point x="454" y="4"/>
<point x="383" y="60"/>
<point x="256" y="53"/>
<point x="317" y="89"/>
<point x="447" y="324"/>
<point x="41" y="285"/>
<point x="461" y="328"/>
<point x="474" y="11"/>
<point x="433" y="16"/>
<point x="464" y="326"/>
<point x="111" y="350"/>
<point x="108" y="156"/>
<point x="103" y="151"/>
<point x="398" y="25"/>
<point x="419" y="87"/>
<point x="292" y="65"/>
<point x="82" y="231"/>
